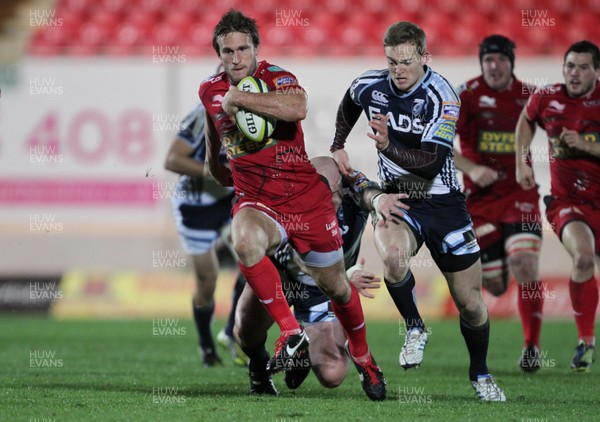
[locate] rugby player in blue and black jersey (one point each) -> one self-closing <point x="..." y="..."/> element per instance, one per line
<point x="202" y="209"/>
<point x="413" y="112"/>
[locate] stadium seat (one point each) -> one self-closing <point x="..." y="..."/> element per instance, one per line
<point x="351" y="26"/>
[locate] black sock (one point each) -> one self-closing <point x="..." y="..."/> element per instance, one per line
<point x="237" y="292"/>
<point x="477" y="340"/>
<point x="258" y="356"/>
<point x="203" y="318"/>
<point x="402" y="294"/>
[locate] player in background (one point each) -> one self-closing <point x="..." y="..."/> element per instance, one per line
<point x="312" y="308"/>
<point x="201" y="209"/>
<point x="276" y="184"/>
<point x="570" y="115"/>
<point x="413" y="111"/>
<point x="506" y="217"/>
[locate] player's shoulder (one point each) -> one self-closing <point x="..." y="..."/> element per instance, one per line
<point x="371" y="76"/>
<point x="194" y="116"/>
<point x="550" y="92"/>
<point x="368" y="79"/>
<point x="473" y="85"/>
<point x="211" y="82"/>
<point x="275" y="76"/>
<point x="439" y="86"/>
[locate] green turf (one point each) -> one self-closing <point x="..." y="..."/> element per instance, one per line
<point x="121" y="371"/>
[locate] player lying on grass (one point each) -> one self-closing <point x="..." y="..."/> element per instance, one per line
<point x="328" y="358"/>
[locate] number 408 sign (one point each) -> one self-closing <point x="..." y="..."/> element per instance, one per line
<point x="91" y="137"/>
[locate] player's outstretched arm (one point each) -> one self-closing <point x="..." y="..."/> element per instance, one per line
<point x="426" y="162"/>
<point x="220" y="172"/>
<point x="347" y="116"/>
<point x="523" y="137"/>
<point x="286" y="106"/>
<point x="575" y="140"/>
<point x="179" y="159"/>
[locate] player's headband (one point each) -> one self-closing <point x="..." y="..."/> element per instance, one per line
<point x="498" y="44"/>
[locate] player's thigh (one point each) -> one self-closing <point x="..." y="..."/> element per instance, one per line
<point x="251" y="318"/>
<point x="395" y="243"/>
<point x="252" y="229"/>
<point x="331" y="279"/>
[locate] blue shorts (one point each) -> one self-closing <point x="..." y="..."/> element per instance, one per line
<point x="199" y="225"/>
<point x="443" y="223"/>
<point x="309" y="302"/>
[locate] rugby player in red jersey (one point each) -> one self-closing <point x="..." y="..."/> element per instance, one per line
<point x="506" y="217"/>
<point x="279" y="198"/>
<point x="570" y="115"/>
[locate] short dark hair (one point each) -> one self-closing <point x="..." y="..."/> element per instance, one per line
<point x="585" y="47"/>
<point x="235" y="21"/>
<point x="406" y="32"/>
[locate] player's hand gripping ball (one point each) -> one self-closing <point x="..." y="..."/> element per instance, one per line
<point x="254" y="126"/>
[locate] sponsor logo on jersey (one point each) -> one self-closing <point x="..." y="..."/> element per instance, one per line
<point x="417" y="107"/>
<point x="450" y="110"/>
<point x="556" y="106"/>
<point x="496" y="142"/>
<point x="285" y="80"/>
<point x="445" y="131"/>
<point x="591" y="103"/>
<point x="400" y="123"/>
<point x="379" y="98"/>
<point x="562" y="151"/>
<point x="237" y="145"/>
<point x="275" y="69"/>
<point x="485" y="101"/>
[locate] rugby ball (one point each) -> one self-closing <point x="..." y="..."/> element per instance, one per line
<point x="254" y="126"/>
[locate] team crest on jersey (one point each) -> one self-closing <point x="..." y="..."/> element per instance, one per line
<point x="237" y="145"/>
<point x="485" y="101"/>
<point x="556" y="106"/>
<point x="417" y="107"/>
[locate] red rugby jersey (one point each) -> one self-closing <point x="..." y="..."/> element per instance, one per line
<point x="575" y="175"/>
<point x="276" y="170"/>
<point x="486" y="127"/>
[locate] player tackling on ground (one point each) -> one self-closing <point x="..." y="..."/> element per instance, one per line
<point x="570" y="115"/>
<point x="506" y="217"/>
<point x="328" y="360"/>
<point x="275" y="183"/>
<point x="413" y="111"/>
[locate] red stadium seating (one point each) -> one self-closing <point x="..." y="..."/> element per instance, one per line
<point x="314" y="27"/>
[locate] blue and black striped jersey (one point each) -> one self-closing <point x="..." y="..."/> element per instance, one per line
<point x="427" y="113"/>
<point x="198" y="190"/>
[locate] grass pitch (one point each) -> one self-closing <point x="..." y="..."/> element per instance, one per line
<point x="129" y="370"/>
